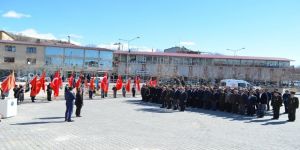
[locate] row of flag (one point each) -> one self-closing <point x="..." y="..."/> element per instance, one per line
<point x="38" y="83"/>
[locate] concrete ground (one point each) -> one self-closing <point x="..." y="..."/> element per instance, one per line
<point x="129" y="124"/>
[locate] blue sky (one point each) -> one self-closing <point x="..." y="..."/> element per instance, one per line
<point x="263" y="27"/>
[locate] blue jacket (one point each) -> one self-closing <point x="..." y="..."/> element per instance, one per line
<point x="69" y="96"/>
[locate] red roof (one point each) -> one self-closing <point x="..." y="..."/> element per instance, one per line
<point x="63" y="45"/>
<point x="202" y="56"/>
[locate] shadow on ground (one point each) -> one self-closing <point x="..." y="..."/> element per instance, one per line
<point x="38" y="122"/>
<point x="155" y="108"/>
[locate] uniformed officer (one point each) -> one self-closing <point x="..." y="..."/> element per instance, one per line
<point x="69" y="104"/>
<point x="49" y="92"/>
<point x="276" y="104"/>
<point x="293" y="104"/>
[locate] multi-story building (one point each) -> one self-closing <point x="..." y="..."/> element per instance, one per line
<point x="201" y="66"/>
<point x="26" y="55"/>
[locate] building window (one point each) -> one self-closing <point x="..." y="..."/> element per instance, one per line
<point x="247" y="62"/>
<point x="284" y="64"/>
<point x="220" y="62"/>
<point x="71" y="52"/>
<point x="31" y="61"/>
<point x="10" y="48"/>
<point x="57" y="61"/>
<point x="54" y="51"/>
<point x="9" y="59"/>
<point x="272" y="64"/>
<point x="31" y="50"/>
<point x="92" y="54"/>
<point x="91" y="63"/>
<point x="132" y="59"/>
<point x="141" y="59"/>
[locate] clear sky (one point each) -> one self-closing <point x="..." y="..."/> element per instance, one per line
<point x="263" y="27"/>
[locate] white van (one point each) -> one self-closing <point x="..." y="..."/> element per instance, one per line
<point x="233" y="83"/>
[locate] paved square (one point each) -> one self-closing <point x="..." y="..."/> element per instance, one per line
<point x="130" y="124"/>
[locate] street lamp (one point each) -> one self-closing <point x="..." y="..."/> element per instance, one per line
<point x="234" y="54"/>
<point x="128" y="43"/>
<point x="235" y="50"/>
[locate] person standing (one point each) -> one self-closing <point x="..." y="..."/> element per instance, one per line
<point x="133" y="91"/>
<point x="91" y="91"/>
<point x="78" y="102"/>
<point x="124" y="91"/>
<point x="69" y="97"/>
<point x="252" y="101"/>
<point x="285" y="98"/>
<point x="182" y="99"/>
<point x="20" y="94"/>
<point x="32" y="94"/>
<point x="276" y="104"/>
<point x="114" y="91"/>
<point x="263" y="104"/>
<point x="293" y="104"/>
<point x="16" y="89"/>
<point x="49" y="92"/>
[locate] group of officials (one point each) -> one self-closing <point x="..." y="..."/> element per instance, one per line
<point x="237" y="101"/>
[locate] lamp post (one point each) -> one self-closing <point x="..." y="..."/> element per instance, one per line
<point x="127" y="62"/>
<point x="235" y="54"/>
<point x="235" y="50"/>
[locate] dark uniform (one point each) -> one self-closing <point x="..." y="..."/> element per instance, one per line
<point x="252" y="101"/>
<point x="285" y="98"/>
<point x="69" y="96"/>
<point x="164" y="98"/>
<point x="182" y="100"/>
<point x="114" y="91"/>
<point x="49" y="92"/>
<point x="133" y="91"/>
<point x="276" y="104"/>
<point x="293" y="104"/>
<point x="78" y="102"/>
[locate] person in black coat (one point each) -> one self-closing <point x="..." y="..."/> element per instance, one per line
<point x="175" y="99"/>
<point x="276" y="104"/>
<point x="78" y="102"/>
<point x="262" y="104"/>
<point x="16" y="89"/>
<point x="21" y="94"/>
<point x="114" y="91"/>
<point x="252" y="101"/>
<point x="164" y="97"/>
<point x="49" y="92"/>
<point x="183" y="99"/>
<point x="285" y="98"/>
<point x="143" y="93"/>
<point x="133" y="91"/>
<point x="293" y="104"/>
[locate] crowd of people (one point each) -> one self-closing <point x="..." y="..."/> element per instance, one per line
<point x="237" y="101"/>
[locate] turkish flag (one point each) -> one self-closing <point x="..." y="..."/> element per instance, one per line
<point x="137" y="82"/>
<point x="35" y="86"/>
<point x="153" y="83"/>
<point x="119" y="83"/>
<point x="42" y="80"/>
<point x="92" y="85"/>
<point x="78" y="83"/>
<point x="8" y="83"/>
<point x="104" y="83"/>
<point x="56" y="83"/>
<point x="128" y="85"/>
